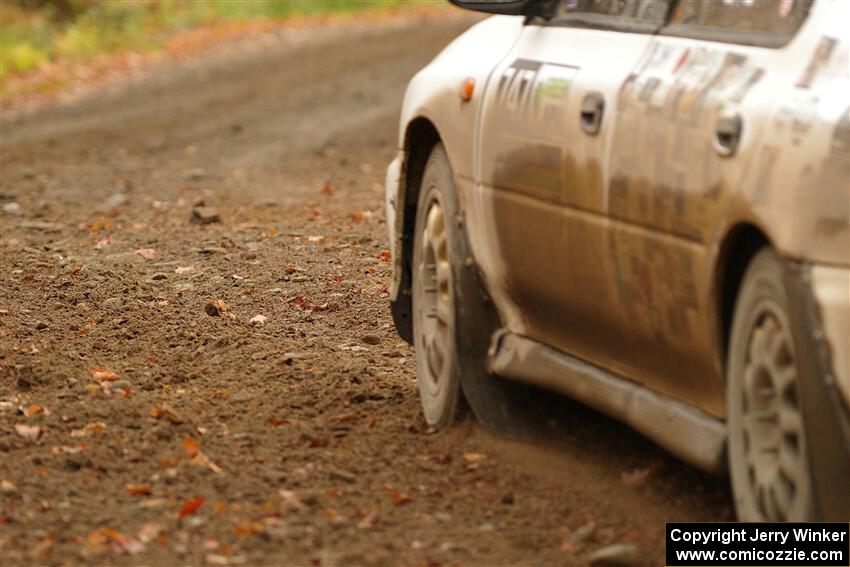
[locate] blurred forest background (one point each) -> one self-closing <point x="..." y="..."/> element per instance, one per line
<point x="35" y="34"/>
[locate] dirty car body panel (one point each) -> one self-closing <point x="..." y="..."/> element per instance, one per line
<point x="618" y="168"/>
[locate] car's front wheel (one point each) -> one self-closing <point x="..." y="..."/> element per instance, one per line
<point x="434" y="326"/>
<point x="453" y="317"/>
<point x="768" y="458"/>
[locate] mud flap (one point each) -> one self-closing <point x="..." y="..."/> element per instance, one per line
<point x="826" y="416"/>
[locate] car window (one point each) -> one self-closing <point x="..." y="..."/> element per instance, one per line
<point x="613" y="13"/>
<point x="758" y="22"/>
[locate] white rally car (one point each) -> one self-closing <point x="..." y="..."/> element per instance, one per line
<point x="645" y="205"/>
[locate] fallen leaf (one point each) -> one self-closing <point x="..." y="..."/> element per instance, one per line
<point x="147" y="253"/>
<point x="43" y="548"/>
<point x="193" y="449"/>
<point x="33" y="409"/>
<point x="218" y="308"/>
<point x="368" y="521"/>
<point x="139" y="489"/>
<point x="247" y="529"/>
<point x="327" y="188"/>
<point x="639" y="477"/>
<point x="150" y="531"/>
<point x="304" y="304"/>
<point x="99" y="225"/>
<point x="190" y="445"/>
<point x="103" y="374"/>
<point x="184" y="269"/>
<point x="120" y="543"/>
<point x="28" y="432"/>
<point x="385" y="256"/>
<point x="103" y="242"/>
<point x="68" y="449"/>
<point x="164" y="411"/>
<point x="191" y="506"/>
<point x="400" y="498"/>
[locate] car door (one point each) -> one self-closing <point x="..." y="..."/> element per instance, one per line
<point x="546" y="122"/>
<point x="689" y="125"/>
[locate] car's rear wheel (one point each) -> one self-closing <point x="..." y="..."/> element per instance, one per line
<point x="768" y="459"/>
<point x="453" y="318"/>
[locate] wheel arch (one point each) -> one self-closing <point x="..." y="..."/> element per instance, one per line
<point x="737" y="249"/>
<point x="420" y="137"/>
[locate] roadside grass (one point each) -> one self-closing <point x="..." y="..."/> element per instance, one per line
<point x="36" y="33"/>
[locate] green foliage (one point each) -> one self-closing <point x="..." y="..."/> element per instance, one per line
<point x="34" y="32"/>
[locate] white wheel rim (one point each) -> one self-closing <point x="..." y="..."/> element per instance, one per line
<point x="771" y="420"/>
<point x="435" y="303"/>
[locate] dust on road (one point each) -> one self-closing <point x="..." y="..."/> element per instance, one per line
<point x="254" y="404"/>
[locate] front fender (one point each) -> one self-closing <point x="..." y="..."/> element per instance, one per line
<point x="433" y="95"/>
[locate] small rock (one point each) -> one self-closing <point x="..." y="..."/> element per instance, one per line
<point x="147" y="253"/>
<point x="616" y="555"/>
<point x="205" y="215"/>
<point x="508" y="499"/>
<point x="342" y="475"/>
<point x="300" y="279"/>
<point x="159" y="276"/>
<point x="183" y="287"/>
<point x="196" y="174"/>
<point x="258" y="320"/>
<point x="275" y="290"/>
<point x="7" y="487"/>
<point x="116" y="200"/>
<point x="242" y="396"/>
<point x="40" y="325"/>
<point x="369" y="261"/>
<point x="371" y="339"/>
<point x="582" y="534"/>
<point x="76" y="462"/>
<point x="259" y="355"/>
<point x="12" y="208"/>
<point x="42" y="226"/>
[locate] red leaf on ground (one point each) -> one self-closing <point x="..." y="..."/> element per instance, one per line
<point x="191" y="506"/>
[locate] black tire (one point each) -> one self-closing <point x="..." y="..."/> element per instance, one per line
<point x="473" y="320"/>
<point x="768" y="458"/>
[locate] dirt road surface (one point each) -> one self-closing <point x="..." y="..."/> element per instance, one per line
<point x="149" y="417"/>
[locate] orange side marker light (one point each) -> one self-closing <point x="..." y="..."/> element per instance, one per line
<point x="467" y="88"/>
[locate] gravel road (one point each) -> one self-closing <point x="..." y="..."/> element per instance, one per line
<point x="197" y="363"/>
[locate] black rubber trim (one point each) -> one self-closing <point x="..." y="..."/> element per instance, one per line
<point x="401" y="310"/>
<point x="826" y="416"/>
<point x="511" y="8"/>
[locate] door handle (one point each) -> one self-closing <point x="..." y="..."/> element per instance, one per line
<point x="727" y="135"/>
<point x="592" y="109"/>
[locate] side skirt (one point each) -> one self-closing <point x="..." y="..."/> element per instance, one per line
<point x="685" y="431"/>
